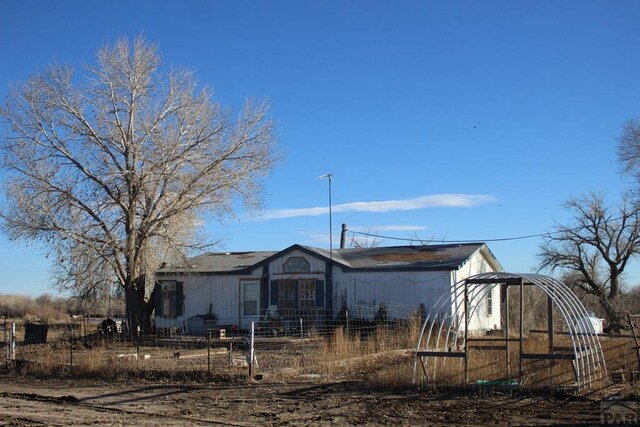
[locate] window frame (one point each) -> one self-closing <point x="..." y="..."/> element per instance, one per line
<point x="174" y="305"/>
<point x="302" y="266"/>
<point x="307" y="293"/>
<point x="287" y="294"/>
<point x="489" y="298"/>
<point x="168" y="298"/>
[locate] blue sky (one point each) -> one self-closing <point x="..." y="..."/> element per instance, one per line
<point x="461" y="120"/>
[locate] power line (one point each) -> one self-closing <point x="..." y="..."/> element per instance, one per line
<point x="504" y="239"/>
<point x="416" y="239"/>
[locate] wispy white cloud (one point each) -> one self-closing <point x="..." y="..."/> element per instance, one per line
<point x="422" y="202"/>
<point x="315" y="238"/>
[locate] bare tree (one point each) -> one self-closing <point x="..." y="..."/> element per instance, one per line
<point x="629" y="149"/>
<point x="115" y="170"/>
<point x="367" y="240"/>
<point x="595" y="250"/>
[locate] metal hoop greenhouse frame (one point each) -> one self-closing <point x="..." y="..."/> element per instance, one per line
<point x="452" y="311"/>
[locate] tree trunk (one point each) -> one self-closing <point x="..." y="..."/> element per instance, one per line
<point x="614" y="319"/>
<point x="138" y="310"/>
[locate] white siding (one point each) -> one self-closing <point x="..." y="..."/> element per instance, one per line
<point x="363" y="292"/>
<point x="218" y="294"/>
<point x="478" y="302"/>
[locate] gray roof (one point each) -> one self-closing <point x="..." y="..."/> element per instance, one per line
<point x="423" y="257"/>
<point x="218" y="262"/>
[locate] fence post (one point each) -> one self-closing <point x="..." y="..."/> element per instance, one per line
<point x="301" y="342"/>
<point x="6" y="341"/>
<point x="13" y="341"/>
<point x="208" y="353"/>
<point x="138" y="350"/>
<point x="346" y="313"/>
<point x="71" y="350"/>
<point x="251" y="350"/>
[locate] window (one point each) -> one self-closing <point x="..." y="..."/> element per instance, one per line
<point x="250" y="296"/>
<point x="489" y="302"/>
<point x="286" y="294"/>
<point x="307" y="289"/>
<point x="296" y="296"/>
<point x="296" y="265"/>
<point x="169" y="299"/>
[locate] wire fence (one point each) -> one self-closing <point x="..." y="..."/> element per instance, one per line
<point x="288" y="342"/>
<point x="276" y="344"/>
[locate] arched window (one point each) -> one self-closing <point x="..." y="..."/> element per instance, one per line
<point x="296" y="264"/>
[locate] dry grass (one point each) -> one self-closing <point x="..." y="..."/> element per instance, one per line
<point x="489" y="364"/>
<point x="395" y="373"/>
<point x="341" y="346"/>
<point x="122" y="360"/>
<point x="382" y="356"/>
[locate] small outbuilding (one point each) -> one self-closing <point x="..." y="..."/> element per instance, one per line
<point x="201" y="323"/>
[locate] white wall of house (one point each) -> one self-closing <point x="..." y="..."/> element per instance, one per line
<point x="484" y="300"/>
<point x="205" y="293"/>
<point x="365" y="291"/>
<point x="400" y="291"/>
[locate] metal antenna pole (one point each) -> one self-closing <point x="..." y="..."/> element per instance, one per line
<point x="330" y="226"/>
<point x="329" y="176"/>
<point x="329" y="285"/>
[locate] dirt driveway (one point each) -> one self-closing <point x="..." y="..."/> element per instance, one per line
<point x="311" y="402"/>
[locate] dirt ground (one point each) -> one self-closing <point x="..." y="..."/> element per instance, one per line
<point x="305" y="401"/>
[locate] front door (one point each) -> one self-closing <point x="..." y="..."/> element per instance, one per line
<point x="249" y="303"/>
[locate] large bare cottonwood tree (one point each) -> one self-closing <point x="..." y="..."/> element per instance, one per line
<point x="114" y="170"/>
<point x="595" y="249"/>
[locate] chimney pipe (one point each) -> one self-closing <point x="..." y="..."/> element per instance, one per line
<point x="343" y="236"/>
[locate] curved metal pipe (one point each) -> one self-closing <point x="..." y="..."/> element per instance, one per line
<point x="588" y="353"/>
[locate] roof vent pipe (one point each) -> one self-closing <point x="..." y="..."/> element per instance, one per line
<point x="343" y="236"/>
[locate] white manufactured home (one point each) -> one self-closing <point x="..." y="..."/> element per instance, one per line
<point x="237" y="288"/>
